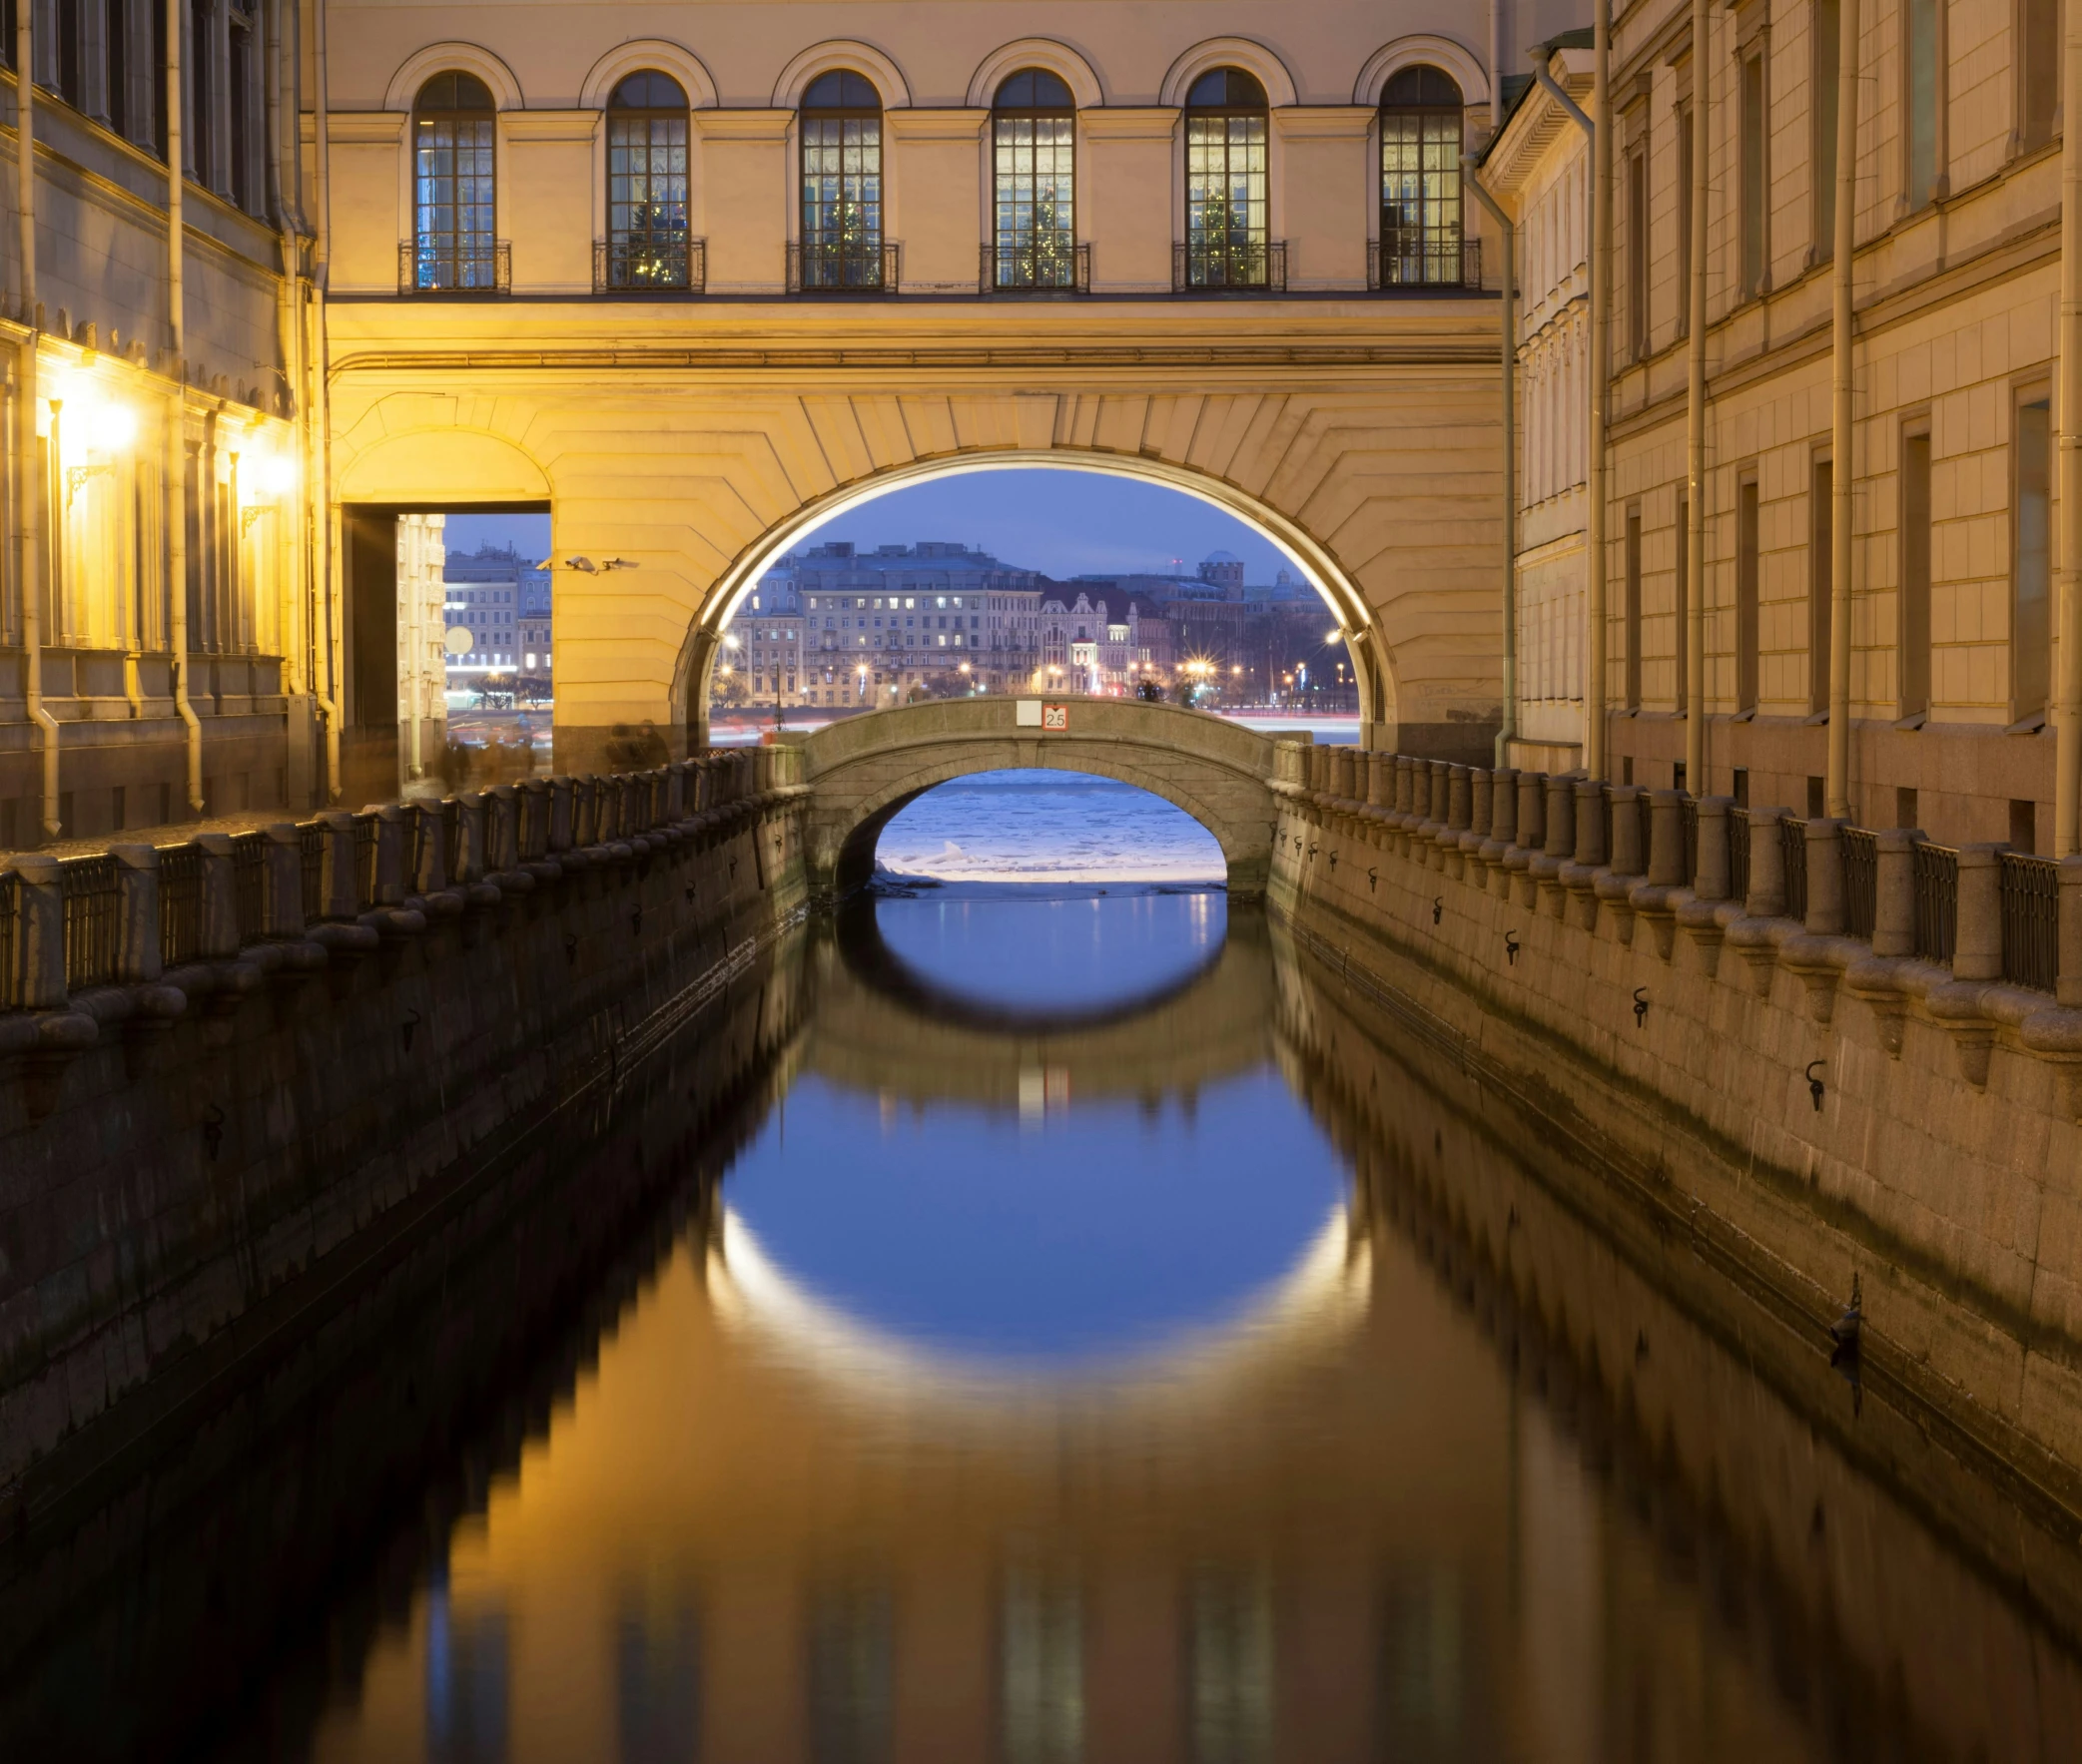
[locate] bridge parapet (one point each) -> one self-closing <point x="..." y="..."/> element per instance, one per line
<point x="862" y="770"/>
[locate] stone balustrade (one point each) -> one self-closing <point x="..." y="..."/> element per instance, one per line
<point x="1989" y="934"/>
<point x="341" y="882"/>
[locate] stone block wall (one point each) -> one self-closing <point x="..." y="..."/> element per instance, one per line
<point x="193" y="1168"/>
<point x="1679" y="1037"/>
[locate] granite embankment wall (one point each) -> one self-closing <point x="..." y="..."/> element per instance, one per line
<point x="1747" y="1462"/>
<point x="1811" y="1114"/>
<point x="198" y="1163"/>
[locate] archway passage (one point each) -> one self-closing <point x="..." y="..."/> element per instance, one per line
<point x="863" y="771"/>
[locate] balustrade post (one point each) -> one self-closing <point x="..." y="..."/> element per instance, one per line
<point x="1590" y="822"/>
<point x="469" y="838"/>
<point x="1380" y="780"/>
<point x="1710" y="877"/>
<point x="1665" y="867"/>
<point x="338" y="886"/>
<point x="37" y="980"/>
<point x="1626" y="857"/>
<point x="1482" y="783"/>
<point x="1824" y="850"/>
<point x="585" y="811"/>
<point x="219" y="938"/>
<point x="676" y="791"/>
<point x="1977" y="945"/>
<point x="534" y="819"/>
<point x="137" y="914"/>
<point x="1893" y="890"/>
<point x="559" y="815"/>
<point x="282" y="882"/>
<point x="1767" y="898"/>
<point x="2068" y="987"/>
<point x="1405" y="787"/>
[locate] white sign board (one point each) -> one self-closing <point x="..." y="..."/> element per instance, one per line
<point x="1027" y="713"/>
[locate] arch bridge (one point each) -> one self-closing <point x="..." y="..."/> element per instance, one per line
<point x="862" y="770"/>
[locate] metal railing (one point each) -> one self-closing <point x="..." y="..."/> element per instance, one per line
<point x="179" y="904"/>
<point x="1934" y="881"/>
<point x="1229" y="266"/>
<point x="650" y="266"/>
<point x="1793" y="849"/>
<point x="365" y="861"/>
<point x="2030" y="894"/>
<point x="1739" y="832"/>
<point x="10" y="916"/>
<point x="426" y="269"/>
<point x="1861" y="882"/>
<point x="1046" y="267"/>
<point x="1687" y="834"/>
<point x="249" y="882"/>
<point x="844" y="268"/>
<point x="1423" y="260"/>
<point x="311" y="854"/>
<point x="93" y="899"/>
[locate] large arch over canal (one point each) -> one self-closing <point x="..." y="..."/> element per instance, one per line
<point x="694" y="445"/>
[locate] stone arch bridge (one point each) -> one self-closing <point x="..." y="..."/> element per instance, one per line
<point x="862" y="770"/>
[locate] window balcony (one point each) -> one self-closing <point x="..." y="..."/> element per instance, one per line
<point x="650" y="266"/>
<point x="844" y="266"/>
<point x="1418" y="260"/>
<point x="1035" y="268"/>
<point x="1229" y="266"/>
<point x="444" y="267"/>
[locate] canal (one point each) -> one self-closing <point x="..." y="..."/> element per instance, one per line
<point x="1094" y="1339"/>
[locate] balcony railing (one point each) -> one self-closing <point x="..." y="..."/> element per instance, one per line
<point x="1229" y="266"/>
<point x="1423" y="261"/>
<point x="650" y="266"/>
<point x="843" y="268"/>
<point x="2030" y="894"/>
<point x="1035" y="268"/>
<point x="425" y="266"/>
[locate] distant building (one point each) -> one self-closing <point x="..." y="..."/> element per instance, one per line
<point x="836" y="626"/>
<point x="504" y="601"/>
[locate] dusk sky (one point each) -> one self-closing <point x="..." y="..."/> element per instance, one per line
<point x="1063" y="523"/>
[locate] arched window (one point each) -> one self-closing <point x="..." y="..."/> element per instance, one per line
<point x="1421" y="127"/>
<point x="1034" y="129"/>
<point x="454" y="218"/>
<point x="648" y="244"/>
<point x="841" y="244"/>
<point x="1226" y="244"/>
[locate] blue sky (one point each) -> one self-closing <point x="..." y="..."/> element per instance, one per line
<point x="1065" y="523"/>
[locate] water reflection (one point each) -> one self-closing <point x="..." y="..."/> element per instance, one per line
<point x="1247" y="1401"/>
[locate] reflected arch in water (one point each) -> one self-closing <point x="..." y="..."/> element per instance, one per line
<point x="917" y="962"/>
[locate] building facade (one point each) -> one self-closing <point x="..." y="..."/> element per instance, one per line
<point x="1954" y="209"/>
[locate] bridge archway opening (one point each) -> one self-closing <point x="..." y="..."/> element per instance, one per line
<point x="1333" y="612"/>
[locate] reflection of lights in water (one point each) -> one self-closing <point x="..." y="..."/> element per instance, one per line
<point x="1320" y="1297"/>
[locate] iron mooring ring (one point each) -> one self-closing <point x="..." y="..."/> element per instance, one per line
<point x="1641" y="1006"/>
<point x="1815" y="1084"/>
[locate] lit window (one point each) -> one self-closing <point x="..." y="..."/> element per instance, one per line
<point x="1227" y="124"/>
<point x="841" y="243"/>
<point x="454" y="221"/>
<point x="1421" y="130"/>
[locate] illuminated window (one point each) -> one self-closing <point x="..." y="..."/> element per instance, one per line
<point x="1421" y="124"/>
<point x="1033" y="127"/>
<point x="841" y="243"/>
<point x="1226" y="125"/>
<point x="455" y="239"/>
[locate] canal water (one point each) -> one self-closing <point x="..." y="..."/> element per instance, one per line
<point x="1096" y="1349"/>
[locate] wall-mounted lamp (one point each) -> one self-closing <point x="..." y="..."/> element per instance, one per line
<point x="89" y="431"/>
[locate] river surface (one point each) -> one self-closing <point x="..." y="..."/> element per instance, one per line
<point x="1076" y="1361"/>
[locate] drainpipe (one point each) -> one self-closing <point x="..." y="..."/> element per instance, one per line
<point x="1506" y="322"/>
<point x="1842" y="388"/>
<point x="177" y="450"/>
<point x="319" y="484"/>
<point x="1593" y="586"/>
<point x="285" y="534"/>
<point x="34" y="489"/>
<point x="1693" y="611"/>
<point x="2067" y="729"/>
<point x="1496" y="66"/>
